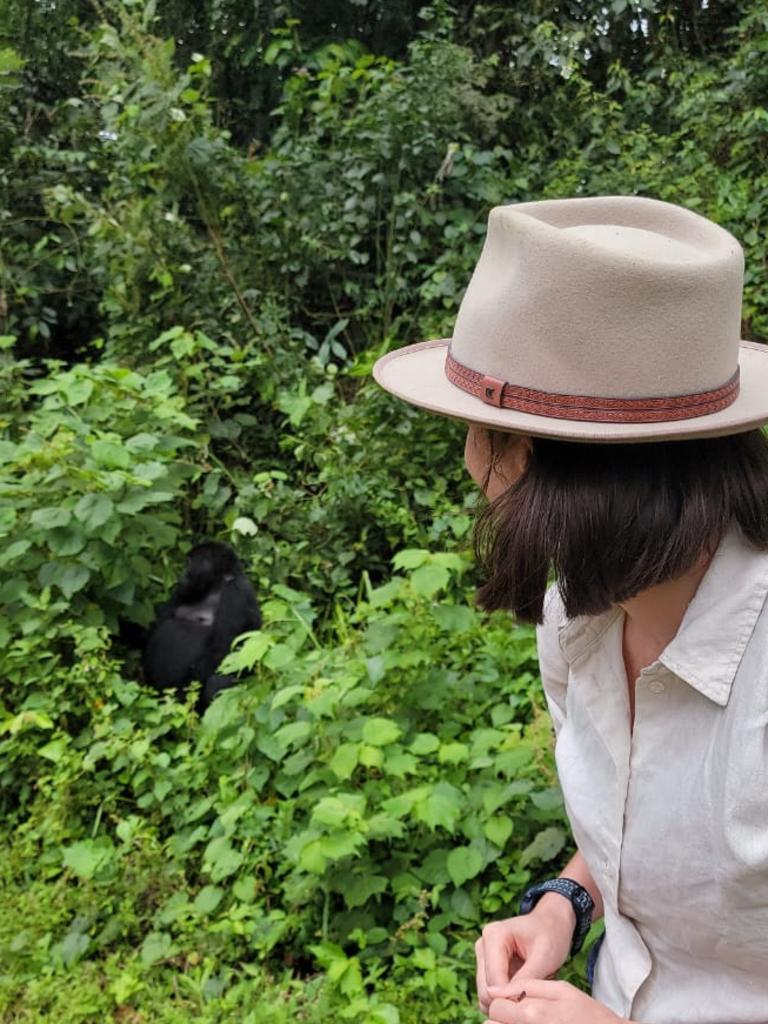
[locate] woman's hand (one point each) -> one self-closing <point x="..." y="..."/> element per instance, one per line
<point x="532" y="946"/>
<point x="547" y="1002"/>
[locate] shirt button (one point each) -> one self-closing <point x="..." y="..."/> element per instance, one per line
<point x="656" y="686"/>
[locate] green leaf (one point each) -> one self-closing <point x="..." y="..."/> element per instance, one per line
<point x="278" y="656"/>
<point x="48" y="518"/>
<point x="253" y="649"/>
<point x="206" y="901"/>
<point x="142" y="442"/>
<point x="93" y="510"/>
<point x="78" y="392"/>
<point x="245" y="526"/>
<point x="14" y="551"/>
<point x="124" y="986"/>
<point x="72" y="578"/>
<point x="10" y="62"/>
<point x="410" y="559"/>
<point x="12" y="590"/>
<point x="155" y="947"/>
<point x="66" y="540"/>
<point x="296" y="407"/>
<point x="443" y="807"/>
<point x="336" y="811"/>
<point x="424" y="743"/>
<point x="433" y="870"/>
<point x="453" y="753"/>
<point x="384" y="826"/>
<point x="370" y="756"/>
<point x="358" y="889"/>
<point x="400" y="764"/>
<point x="345" y="760"/>
<point x="246" y="888"/>
<point x="315" y="854"/>
<point x="463" y="863"/>
<point x="340" y="844"/>
<point x="547" y="799"/>
<point x="128" y="827"/>
<point x="184" y="345"/>
<point x="449" y="560"/>
<point x="383" y="1013"/>
<point x="293" y="734"/>
<point x="427" y="580"/>
<point x="498" y="830"/>
<point x="55" y="750"/>
<point x="136" y="499"/>
<point x="73" y="946"/>
<point x="285" y="696"/>
<point x="455" y="618"/>
<point x="173" y="332"/>
<point x="8" y="515"/>
<point x="25" y="720"/>
<point x="546" y="845"/>
<point x="110" y="455"/>
<point x="88" y="857"/>
<point x="221" y="859"/>
<point x="378" y="732"/>
<point x="509" y="762"/>
<point x="376" y="668"/>
<point x="404" y="803"/>
<point x="464" y="906"/>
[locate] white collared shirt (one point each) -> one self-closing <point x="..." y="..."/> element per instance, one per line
<point x="672" y="819"/>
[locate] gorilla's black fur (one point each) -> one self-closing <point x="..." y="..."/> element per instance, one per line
<point x="212" y="603"/>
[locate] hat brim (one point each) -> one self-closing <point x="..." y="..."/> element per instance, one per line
<point x="416" y="374"/>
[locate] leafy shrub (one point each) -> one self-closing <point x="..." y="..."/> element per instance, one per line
<point x="91" y="471"/>
<point x="365" y="802"/>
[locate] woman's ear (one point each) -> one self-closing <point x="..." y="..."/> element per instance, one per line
<point x="495" y="459"/>
<point x="509" y="460"/>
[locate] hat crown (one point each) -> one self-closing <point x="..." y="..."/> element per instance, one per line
<point x="612" y="296"/>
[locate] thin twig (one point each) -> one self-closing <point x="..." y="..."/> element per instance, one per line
<point x="215" y="238"/>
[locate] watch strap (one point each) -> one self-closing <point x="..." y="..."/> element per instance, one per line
<point x="580" y="900"/>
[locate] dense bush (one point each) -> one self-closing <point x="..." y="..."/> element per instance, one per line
<point x="364" y="803"/>
<point x="204" y="245"/>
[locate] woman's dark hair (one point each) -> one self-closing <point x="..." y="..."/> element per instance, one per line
<point x="613" y="519"/>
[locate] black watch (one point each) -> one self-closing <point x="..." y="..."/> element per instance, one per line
<point x="581" y="902"/>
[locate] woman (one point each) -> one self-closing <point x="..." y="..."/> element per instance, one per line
<point x="612" y="411"/>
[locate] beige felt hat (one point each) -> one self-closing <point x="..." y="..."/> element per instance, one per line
<point x="613" y="318"/>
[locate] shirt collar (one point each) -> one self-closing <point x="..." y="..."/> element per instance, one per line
<point x="708" y="647"/>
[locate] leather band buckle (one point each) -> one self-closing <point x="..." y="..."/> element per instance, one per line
<point x="491" y="390"/>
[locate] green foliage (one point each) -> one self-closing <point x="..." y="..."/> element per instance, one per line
<point x="215" y="216"/>
<point x="89" y="473"/>
<point x="386" y="789"/>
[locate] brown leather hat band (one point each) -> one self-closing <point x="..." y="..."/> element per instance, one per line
<point x="503" y="395"/>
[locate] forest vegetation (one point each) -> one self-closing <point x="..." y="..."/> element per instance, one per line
<point x="214" y="216"/>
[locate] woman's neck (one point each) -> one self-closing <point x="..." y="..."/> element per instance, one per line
<point x="654" y="615"/>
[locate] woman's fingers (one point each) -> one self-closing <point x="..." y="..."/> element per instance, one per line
<point x="550" y="1002"/>
<point x="534" y="989"/>
<point x="481" y="976"/>
<point x="497" y="953"/>
<point x="516" y="951"/>
<point x="483" y="999"/>
<point x="505" y="1011"/>
<point x="538" y="964"/>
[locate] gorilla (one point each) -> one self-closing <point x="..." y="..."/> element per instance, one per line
<point x="212" y="603"/>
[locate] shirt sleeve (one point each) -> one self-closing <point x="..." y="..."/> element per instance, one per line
<point x="552" y="663"/>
